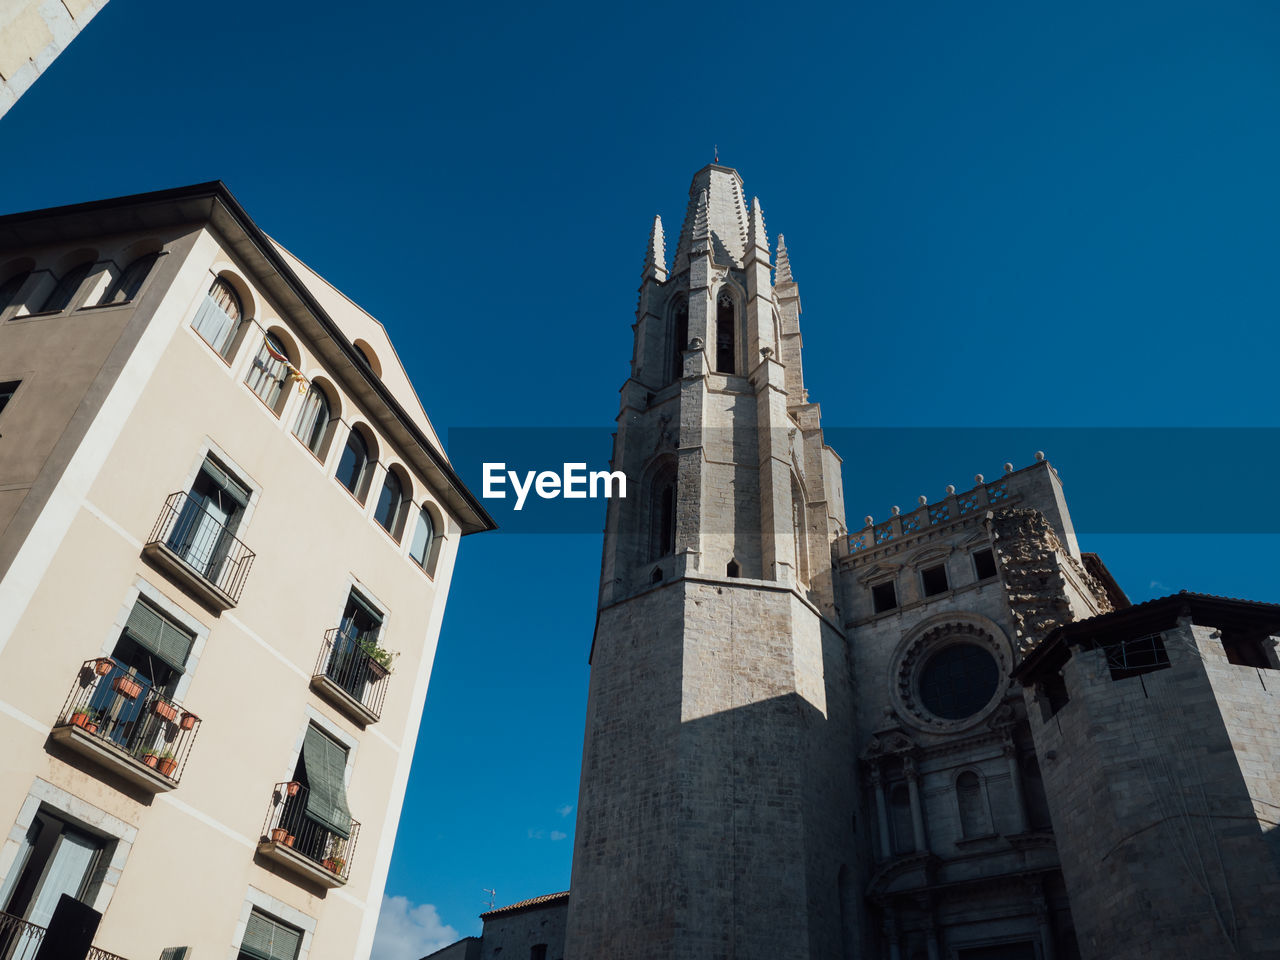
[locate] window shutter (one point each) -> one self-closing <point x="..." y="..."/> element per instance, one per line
<point x="326" y="766"/>
<point x="230" y="487"/>
<point x="160" y="635"/>
<point x="175" y="953"/>
<point x="266" y="939"/>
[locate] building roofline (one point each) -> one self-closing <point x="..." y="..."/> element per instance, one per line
<point x="471" y="514"/>
<point x="1152" y="616"/>
<point x="546" y="900"/>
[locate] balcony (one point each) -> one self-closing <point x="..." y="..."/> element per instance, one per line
<point x="303" y="845"/>
<point x="21" y="940"/>
<point x="194" y="546"/>
<point x="349" y="677"/>
<point x="115" y="718"/>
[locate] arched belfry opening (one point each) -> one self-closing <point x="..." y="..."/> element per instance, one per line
<point x="662" y="511"/>
<point x="726" y="334"/>
<point x="679" y="338"/>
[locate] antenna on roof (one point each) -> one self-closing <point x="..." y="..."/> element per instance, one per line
<point x="492" y="894"/>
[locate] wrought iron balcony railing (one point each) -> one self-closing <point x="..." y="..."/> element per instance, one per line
<point x="303" y="843"/>
<point x="117" y="718"/>
<point x="348" y="674"/>
<point x="19" y="940"/>
<point x="195" y="544"/>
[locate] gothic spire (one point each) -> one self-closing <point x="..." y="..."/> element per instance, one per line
<point x="784" y="262"/>
<point x="655" y="258"/>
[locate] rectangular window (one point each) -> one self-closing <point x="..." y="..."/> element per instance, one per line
<point x="268" y="939"/>
<point x="884" y="596"/>
<point x="984" y="564"/>
<point x="1053" y="695"/>
<point x="210" y="514"/>
<point x="7" y="390"/>
<point x="934" y="580"/>
<point x="155" y="646"/>
<point x="55" y="858"/>
<point x="1129" y="658"/>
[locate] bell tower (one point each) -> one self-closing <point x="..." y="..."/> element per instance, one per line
<point x="718" y="766"/>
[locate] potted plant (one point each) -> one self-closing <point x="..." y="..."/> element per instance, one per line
<point x="103" y="665"/>
<point x="188" y="720"/>
<point x="380" y="659"/>
<point x="164" y="708"/>
<point x="279" y="835"/>
<point x="88" y="720"/>
<point x="150" y="757"/>
<point x="335" y="864"/>
<point x="126" y="686"/>
<point x="292" y="788"/>
<point x="167" y="764"/>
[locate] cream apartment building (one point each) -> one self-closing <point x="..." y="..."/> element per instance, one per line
<point x="224" y="515"/>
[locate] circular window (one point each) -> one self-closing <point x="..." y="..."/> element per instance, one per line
<point x="958" y="681"/>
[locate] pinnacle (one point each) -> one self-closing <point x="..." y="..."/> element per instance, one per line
<point x="701" y="234"/>
<point x="784" y="262"/>
<point x="655" y="258"/>
<point x="757" y="237"/>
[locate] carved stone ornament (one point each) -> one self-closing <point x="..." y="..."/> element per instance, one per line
<point x="696" y="343"/>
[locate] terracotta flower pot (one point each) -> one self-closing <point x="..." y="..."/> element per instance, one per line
<point x="167" y="766"/>
<point x="80" y="719"/>
<point x="334" y="865"/>
<point x="166" y="710"/>
<point x="150" y="759"/>
<point x="292" y="788"/>
<point x="279" y="835"/>
<point x="189" y="721"/>
<point x="103" y="667"/>
<point x="126" y="687"/>
<point x="288" y="841"/>
<point x="91" y="727"/>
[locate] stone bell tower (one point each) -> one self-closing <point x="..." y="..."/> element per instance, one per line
<point x="713" y="816"/>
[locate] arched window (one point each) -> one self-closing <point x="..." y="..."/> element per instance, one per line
<point x="731" y="569"/>
<point x="269" y="372"/>
<point x="423" y="537"/>
<point x="662" y="519"/>
<point x="313" y="420"/>
<point x="679" y="338"/>
<point x="387" y="513"/>
<point x="10" y="289"/>
<point x="60" y="296"/>
<point x="129" y="282"/>
<point x="904" y="838"/>
<point x="354" y="463"/>
<point x="973" y="814"/>
<point x="219" y="316"/>
<point x="798" y="531"/>
<point x="726" y="340"/>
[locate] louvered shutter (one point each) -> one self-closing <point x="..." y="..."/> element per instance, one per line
<point x="326" y="766"/>
<point x="157" y="633"/>
<point x="267" y="939"/>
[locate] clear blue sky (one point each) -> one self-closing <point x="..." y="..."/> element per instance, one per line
<point x="999" y="214"/>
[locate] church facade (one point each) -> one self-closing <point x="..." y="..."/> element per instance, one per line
<point x="946" y="734"/>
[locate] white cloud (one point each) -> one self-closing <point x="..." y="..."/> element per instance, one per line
<point x="557" y="835"/>
<point x="407" y="932"/>
<point x="1157" y="585"/>
<point x="536" y="834"/>
<point x="565" y="810"/>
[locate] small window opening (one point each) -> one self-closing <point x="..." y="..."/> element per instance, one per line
<point x="973" y="815"/>
<point x="1129" y="658"/>
<point x="934" y="580"/>
<point x="1243" y="651"/>
<point x="7" y="390"/>
<point x="733" y="570"/>
<point x="984" y="564"/>
<point x="538" y="952"/>
<point x="884" y="596"/>
<point x="657" y="575"/>
<point x="1053" y="694"/>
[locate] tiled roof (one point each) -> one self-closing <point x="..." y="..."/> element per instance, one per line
<point x="542" y="901"/>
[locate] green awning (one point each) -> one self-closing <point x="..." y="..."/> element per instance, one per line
<point x="326" y="765"/>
